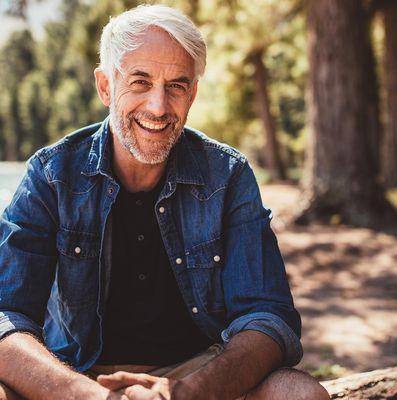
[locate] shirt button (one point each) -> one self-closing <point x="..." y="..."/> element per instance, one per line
<point x="77" y="250"/>
<point x="178" y="260"/>
<point x="161" y="209"/>
<point x="141" y="237"/>
<point x="139" y="202"/>
<point x="142" y="277"/>
<point x="217" y="258"/>
<point x="110" y="190"/>
<point x="194" y="310"/>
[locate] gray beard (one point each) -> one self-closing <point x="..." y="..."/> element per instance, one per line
<point x="127" y="136"/>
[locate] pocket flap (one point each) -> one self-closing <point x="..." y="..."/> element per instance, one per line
<point x="206" y="255"/>
<point x="78" y="245"/>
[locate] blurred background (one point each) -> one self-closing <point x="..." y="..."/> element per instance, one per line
<point x="307" y="89"/>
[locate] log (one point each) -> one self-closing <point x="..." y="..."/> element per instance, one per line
<point x="375" y="385"/>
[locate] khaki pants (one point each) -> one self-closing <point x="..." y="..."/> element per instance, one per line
<point x="176" y="371"/>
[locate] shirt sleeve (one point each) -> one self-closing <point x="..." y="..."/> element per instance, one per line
<point x="27" y="253"/>
<point x="256" y="289"/>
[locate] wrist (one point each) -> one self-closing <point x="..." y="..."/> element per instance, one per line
<point x="190" y="389"/>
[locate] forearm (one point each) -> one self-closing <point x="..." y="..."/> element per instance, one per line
<point x="27" y="367"/>
<point x="247" y="359"/>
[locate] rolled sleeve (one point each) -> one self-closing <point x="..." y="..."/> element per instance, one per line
<point x="16" y="322"/>
<point x="270" y="325"/>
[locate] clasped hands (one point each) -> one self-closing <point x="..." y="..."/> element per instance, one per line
<point x="131" y="386"/>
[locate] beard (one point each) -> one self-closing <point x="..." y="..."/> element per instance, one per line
<point x="126" y="132"/>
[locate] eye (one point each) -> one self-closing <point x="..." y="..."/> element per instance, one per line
<point x="140" y="84"/>
<point x="177" y="88"/>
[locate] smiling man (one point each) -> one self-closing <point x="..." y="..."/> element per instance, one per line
<point x="136" y="258"/>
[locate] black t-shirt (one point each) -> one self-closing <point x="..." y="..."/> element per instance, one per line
<point x="146" y="320"/>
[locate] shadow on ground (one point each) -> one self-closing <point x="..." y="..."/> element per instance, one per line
<point x="344" y="282"/>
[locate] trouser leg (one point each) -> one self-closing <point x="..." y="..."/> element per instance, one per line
<point x="286" y="384"/>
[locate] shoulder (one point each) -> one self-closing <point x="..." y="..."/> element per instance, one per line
<point x="71" y="143"/>
<point x="198" y="140"/>
<point x="64" y="160"/>
<point x="213" y="156"/>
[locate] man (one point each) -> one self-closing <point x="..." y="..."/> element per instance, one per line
<point x="136" y="244"/>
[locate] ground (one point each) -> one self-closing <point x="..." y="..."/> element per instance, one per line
<point x="344" y="282"/>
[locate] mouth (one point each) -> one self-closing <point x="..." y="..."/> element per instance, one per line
<point x="152" y="127"/>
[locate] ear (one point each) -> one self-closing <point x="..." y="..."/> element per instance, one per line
<point x="102" y="86"/>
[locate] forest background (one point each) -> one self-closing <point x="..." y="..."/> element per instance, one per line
<point x="308" y="90"/>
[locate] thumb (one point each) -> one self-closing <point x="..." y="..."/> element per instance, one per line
<point x="139" y="392"/>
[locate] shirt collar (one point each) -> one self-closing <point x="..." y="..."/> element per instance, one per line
<point x="99" y="157"/>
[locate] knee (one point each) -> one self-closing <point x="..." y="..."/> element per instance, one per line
<point x="289" y="383"/>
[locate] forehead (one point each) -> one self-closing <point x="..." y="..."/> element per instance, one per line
<point x="159" y="53"/>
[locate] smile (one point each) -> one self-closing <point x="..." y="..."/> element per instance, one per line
<point x="151" y="126"/>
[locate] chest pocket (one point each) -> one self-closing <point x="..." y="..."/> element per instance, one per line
<point x="78" y="268"/>
<point x="204" y="265"/>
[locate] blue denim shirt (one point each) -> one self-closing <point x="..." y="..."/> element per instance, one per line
<point x="55" y="246"/>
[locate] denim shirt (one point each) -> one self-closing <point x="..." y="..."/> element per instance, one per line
<point x="55" y="246"/>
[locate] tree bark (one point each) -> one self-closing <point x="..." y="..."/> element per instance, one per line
<point x="271" y="152"/>
<point x="389" y="145"/>
<point x="376" y="385"/>
<point x="342" y="158"/>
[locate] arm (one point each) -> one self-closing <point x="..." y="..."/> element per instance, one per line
<point x="256" y="290"/>
<point x="28" y="368"/>
<point x="247" y="359"/>
<point x="28" y="259"/>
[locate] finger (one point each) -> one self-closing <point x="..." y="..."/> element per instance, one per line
<point x="139" y="392"/>
<point x="122" y="379"/>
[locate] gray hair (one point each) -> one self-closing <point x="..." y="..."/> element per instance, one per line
<point x="121" y="35"/>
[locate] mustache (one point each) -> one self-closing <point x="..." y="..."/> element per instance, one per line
<point x="166" y="118"/>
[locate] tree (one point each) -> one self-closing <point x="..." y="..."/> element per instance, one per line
<point x="389" y="148"/>
<point x="34" y="102"/>
<point x="16" y="61"/>
<point x="245" y="37"/>
<point x="342" y="160"/>
<point x="271" y="152"/>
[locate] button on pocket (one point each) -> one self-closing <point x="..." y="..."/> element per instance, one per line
<point x="78" y="268"/>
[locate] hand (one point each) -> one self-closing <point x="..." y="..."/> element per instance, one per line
<point x="138" y="386"/>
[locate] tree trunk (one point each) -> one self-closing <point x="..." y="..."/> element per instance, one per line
<point x="342" y="159"/>
<point x="271" y="151"/>
<point x="380" y="384"/>
<point x="389" y="147"/>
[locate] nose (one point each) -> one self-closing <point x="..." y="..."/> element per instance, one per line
<point x="157" y="102"/>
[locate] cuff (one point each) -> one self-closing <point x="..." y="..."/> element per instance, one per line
<point x="273" y="326"/>
<point x="14" y="322"/>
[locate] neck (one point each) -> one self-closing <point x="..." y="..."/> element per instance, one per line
<point x="134" y="175"/>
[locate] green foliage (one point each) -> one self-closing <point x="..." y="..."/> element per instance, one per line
<point x="16" y="61"/>
<point x="328" y="371"/>
<point x="49" y="85"/>
<point x="34" y="101"/>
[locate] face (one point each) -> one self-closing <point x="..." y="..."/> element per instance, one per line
<point x="152" y="96"/>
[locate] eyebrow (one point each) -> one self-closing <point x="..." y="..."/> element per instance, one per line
<point x="140" y="73"/>
<point x="179" y="79"/>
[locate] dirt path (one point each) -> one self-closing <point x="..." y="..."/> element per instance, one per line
<point x="344" y="282"/>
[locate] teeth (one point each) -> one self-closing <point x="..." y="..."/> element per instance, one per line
<point x="151" y="125"/>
